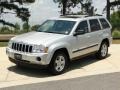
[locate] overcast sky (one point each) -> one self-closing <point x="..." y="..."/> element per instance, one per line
<point x="43" y="9"/>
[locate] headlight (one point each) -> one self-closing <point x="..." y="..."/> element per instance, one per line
<point x="39" y="49"/>
<point x="10" y="44"/>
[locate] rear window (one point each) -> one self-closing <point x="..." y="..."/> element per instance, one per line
<point x="104" y="23"/>
<point x="94" y="25"/>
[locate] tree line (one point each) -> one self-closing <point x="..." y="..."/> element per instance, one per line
<point x="86" y="6"/>
<point x="17" y="8"/>
<point x="14" y="7"/>
<point x="18" y="28"/>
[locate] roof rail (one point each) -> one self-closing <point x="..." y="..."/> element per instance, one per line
<point x="77" y="16"/>
<point x="73" y="16"/>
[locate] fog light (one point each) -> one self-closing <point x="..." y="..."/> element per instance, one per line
<point x="38" y="59"/>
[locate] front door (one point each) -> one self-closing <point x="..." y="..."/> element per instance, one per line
<point x="82" y="40"/>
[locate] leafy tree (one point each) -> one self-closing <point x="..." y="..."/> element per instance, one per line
<point x="62" y="5"/>
<point x="65" y="6"/>
<point x="110" y="4"/>
<point x="26" y="26"/>
<point x="35" y="27"/>
<point x="4" y="29"/>
<point x="87" y="8"/>
<point x="115" y="20"/>
<point x="17" y="27"/>
<point x="14" y="7"/>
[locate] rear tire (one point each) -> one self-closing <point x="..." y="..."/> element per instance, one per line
<point x="58" y="63"/>
<point x="103" y="51"/>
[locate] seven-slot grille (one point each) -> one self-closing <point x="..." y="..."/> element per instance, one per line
<point x="22" y="47"/>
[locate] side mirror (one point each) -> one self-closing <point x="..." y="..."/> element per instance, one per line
<point x="79" y="32"/>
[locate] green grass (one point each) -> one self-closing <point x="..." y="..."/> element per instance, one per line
<point x="3" y="44"/>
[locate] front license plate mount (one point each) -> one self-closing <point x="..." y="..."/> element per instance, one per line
<point x="18" y="56"/>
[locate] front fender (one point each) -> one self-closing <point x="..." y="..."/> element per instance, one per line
<point x="57" y="46"/>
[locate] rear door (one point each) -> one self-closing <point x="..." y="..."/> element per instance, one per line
<point x="94" y="35"/>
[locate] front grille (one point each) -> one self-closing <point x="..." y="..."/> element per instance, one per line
<point x="22" y="47"/>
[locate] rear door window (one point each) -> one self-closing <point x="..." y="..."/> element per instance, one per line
<point x="104" y="23"/>
<point x="94" y="25"/>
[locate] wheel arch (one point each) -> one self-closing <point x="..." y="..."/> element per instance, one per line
<point x="51" y="65"/>
<point x="63" y="50"/>
<point x="107" y="41"/>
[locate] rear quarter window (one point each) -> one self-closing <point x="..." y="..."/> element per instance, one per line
<point x="104" y="23"/>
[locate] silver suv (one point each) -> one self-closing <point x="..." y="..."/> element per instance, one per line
<point x="60" y="40"/>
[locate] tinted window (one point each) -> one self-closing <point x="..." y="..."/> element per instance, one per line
<point x="94" y="25"/>
<point x="57" y="26"/>
<point x="104" y="23"/>
<point x="83" y="26"/>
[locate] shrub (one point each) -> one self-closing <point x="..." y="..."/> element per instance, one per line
<point x="116" y="34"/>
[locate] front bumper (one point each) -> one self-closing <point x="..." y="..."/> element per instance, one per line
<point x="27" y="63"/>
<point x="28" y="57"/>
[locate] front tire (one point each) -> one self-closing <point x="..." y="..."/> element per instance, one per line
<point x="103" y="51"/>
<point x="58" y="63"/>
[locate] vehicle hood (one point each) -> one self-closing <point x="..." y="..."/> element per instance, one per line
<point x="38" y="38"/>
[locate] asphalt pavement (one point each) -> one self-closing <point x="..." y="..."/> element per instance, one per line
<point x="95" y="82"/>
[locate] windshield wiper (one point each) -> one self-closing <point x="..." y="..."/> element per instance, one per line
<point x="51" y="32"/>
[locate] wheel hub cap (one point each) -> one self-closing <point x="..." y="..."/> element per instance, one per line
<point x="59" y="63"/>
<point x="104" y="50"/>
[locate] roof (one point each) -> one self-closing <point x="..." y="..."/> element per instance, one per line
<point x="77" y="17"/>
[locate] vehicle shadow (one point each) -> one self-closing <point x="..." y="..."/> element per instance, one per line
<point x="42" y="73"/>
<point x="80" y="63"/>
<point x="30" y="72"/>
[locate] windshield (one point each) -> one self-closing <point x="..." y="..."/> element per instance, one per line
<point x="57" y="26"/>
